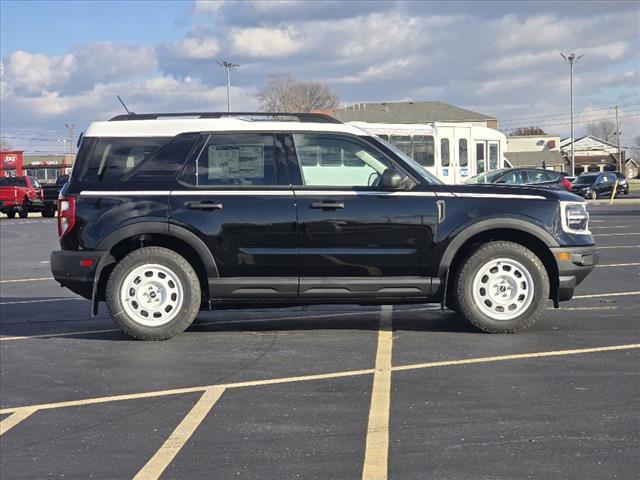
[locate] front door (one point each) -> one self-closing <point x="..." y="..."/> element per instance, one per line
<point x="355" y="239"/>
<point x="235" y="195"/>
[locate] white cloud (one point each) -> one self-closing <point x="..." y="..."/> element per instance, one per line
<point x="108" y="61"/>
<point x="265" y="42"/>
<point x="208" y="6"/>
<point x="205" y="48"/>
<point x="36" y="72"/>
<point x="262" y="6"/>
<point x="379" y="72"/>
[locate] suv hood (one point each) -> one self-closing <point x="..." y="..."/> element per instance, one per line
<point x="502" y="190"/>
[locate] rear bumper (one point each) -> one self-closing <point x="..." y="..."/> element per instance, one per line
<point x="574" y="269"/>
<point x="67" y="270"/>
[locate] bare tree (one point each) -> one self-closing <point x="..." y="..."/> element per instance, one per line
<point x="635" y="148"/>
<point x="528" y="131"/>
<point x="604" y="130"/>
<point x="4" y="145"/>
<point x="284" y="93"/>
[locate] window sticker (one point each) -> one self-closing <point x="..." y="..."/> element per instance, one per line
<point x="236" y="161"/>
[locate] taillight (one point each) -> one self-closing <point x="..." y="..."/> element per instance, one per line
<point x="566" y="184"/>
<point x="66" y="215"/>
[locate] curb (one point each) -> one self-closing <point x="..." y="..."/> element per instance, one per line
<point x="617" y="201"/>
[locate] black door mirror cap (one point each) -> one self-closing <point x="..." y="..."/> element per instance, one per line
<point x="393" y="179"/>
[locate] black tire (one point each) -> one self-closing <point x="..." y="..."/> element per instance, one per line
<point x="188" y="282"/>
<point x="11" y="214"/>
<point x="48" y="212"/>
<point x="469" y="304"/>
<point x="24" y="209"/>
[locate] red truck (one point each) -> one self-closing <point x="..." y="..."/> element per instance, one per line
<point x="21" y="195"/>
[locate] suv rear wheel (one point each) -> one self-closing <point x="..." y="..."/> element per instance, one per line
<point x="502" y="288"/>
<point x="153" y="294"/>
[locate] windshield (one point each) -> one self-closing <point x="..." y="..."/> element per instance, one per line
<point x="586" y="179"/>
<point x="488" y="177"/>
<point x="419" y="169"/>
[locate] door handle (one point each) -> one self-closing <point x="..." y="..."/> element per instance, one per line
<point x="204" y="206"/>
<point x="327" y="205"/>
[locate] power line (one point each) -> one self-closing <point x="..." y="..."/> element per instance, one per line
<point x="585" y="111"/>
<point x="589" y="120"/>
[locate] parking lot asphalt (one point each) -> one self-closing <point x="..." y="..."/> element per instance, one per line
<point x="321" y="392"/>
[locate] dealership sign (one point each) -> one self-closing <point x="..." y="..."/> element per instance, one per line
<point x="10" y="160"/>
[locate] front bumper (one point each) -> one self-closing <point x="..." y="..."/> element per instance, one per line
<point x="574" y="264"/>
<point x="68" y="271"/>
<point x="582" y="193"/>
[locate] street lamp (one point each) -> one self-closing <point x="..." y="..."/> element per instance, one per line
<point x="71" y="129"/>
<point x="228" y="66"/>
<point x="572" y="59"/>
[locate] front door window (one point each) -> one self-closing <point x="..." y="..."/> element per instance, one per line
<point x="338" y="161"/>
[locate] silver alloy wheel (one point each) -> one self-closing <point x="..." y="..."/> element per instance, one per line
<point x="151" y="295"/>
<point x="503" y="289"/>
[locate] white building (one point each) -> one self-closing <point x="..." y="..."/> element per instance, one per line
<point x="535" y="151"/>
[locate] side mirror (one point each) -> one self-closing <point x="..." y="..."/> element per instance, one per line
<point x="501" y="181"/>
<point x="392" y="179"/>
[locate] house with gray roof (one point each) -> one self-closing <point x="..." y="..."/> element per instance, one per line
<point x="412" y="112"/>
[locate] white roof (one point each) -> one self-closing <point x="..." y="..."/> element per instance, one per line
<point x="172" y="127"/>
<point x="390" y="128"/>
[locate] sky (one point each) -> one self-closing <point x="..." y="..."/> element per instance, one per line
<point x="63" y="62"/>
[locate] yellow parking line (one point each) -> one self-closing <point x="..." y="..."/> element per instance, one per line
<point x="517" y="356"/>
<point x="377" y="445"/>
<point x="585" y="308"/>
<point x="306" y="378"/>
<point x="615" y="234"/>
<point x="618" y="264"/>
<point x="14" y="419"/>
<point x="433" y="307"/>
<point x="47" y="335"/>
<point x="20" y="280"/>
<point x="597" y="295"/>
<point x="170" y="448"/>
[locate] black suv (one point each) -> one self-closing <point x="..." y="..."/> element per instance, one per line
<point x="594" y="185"/>
<point x="165" y="214"/>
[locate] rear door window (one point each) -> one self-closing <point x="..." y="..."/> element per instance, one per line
<point x="241" y="159"/>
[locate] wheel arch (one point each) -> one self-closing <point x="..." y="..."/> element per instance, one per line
<point x="132" y="237"/>
<point x="518" y="231"/>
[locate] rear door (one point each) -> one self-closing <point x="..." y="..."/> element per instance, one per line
<point x="355" y="239"/>
<point x="235" y="195"/>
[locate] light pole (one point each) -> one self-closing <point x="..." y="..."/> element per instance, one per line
<point x="228" y="66"/>
<point x="71" y="129"/>
<point x="572" y="59"/>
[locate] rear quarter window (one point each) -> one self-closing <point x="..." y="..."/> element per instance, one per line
<point x="114" y="160"/>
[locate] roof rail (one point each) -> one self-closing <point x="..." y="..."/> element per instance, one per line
<point x="301" y="117"/>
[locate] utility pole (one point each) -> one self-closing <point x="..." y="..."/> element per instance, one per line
<point x="228" y="66"/>
<point x="72" y="133"/>
<point x="618" y="140"/>
<point x="572" y="59"/>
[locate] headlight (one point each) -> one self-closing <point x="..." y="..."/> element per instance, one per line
<point x="575" y="218"/>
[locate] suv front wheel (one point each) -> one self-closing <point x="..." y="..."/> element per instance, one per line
<point x="153" y="294"/>
<point x="502" y="288"/>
